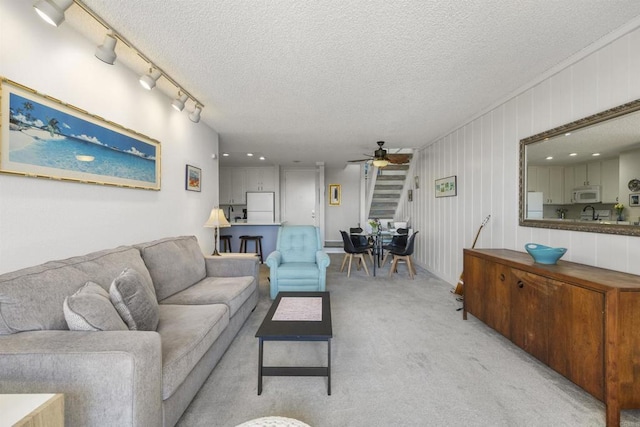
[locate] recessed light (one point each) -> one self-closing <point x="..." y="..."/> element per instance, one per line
<point x="262" y="158"/>
<point x="249" y="154"/>
<point x="549" y="157"/>
<point x="573" y="154"/>
<point x="595" y="154"/>
<point x="225" y="154"/>
<point x="567" y="134"/>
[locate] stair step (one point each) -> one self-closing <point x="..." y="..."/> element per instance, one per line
<point x="389" y="187"/>
<point x="386" y="196"/>
<point x="391" y="178"/>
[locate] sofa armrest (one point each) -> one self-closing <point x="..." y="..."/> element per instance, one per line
<point x="228" y="266"/>
<point x="108" y="378"/>
<point x="274" y="259"/>
<point x="322" y="259"/>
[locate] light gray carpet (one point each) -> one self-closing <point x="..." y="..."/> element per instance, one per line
<point x="401" y="356"/>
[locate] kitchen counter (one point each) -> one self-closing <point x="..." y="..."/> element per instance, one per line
<point x="268" y="231"/>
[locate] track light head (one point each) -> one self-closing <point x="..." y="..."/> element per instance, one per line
<point x="106" y="51"/>
<point x="148" y="81"/>
<point x="194" y="116"/>
<point x="52" y="12"/>
<point x="178" y="103"/>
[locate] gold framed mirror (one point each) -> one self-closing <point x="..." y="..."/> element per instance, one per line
<point x="574" y="176"/>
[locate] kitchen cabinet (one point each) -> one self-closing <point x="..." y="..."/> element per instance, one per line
<point x="610" y="179"/>
<point x="587" y="174"/>
<point x="549" y="180"/>
<point x="260" y="179"/>
<point x="233" y="189"/>
<point x="581" y="321"/>
<point x="235" y="182"/>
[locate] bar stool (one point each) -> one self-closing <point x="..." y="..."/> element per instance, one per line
<point x="256" y="239"/>
<point x="226" y="239"/>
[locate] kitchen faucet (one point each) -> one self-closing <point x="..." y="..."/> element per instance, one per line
<point x="229" y="210"/>
<point x="593" y="212"/>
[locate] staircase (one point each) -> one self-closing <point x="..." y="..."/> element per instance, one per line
<point x="387" y="191"/>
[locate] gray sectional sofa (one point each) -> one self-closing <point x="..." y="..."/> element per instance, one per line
<point x="119" y="376"/>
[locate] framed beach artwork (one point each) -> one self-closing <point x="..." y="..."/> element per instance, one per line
<point x="446" y="187"/>
<point x="193" y="178"/>
<point x="334" y="194"/>
<point x="46" y="138"/>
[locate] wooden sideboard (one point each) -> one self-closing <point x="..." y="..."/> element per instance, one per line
<point x="581" y="321"/>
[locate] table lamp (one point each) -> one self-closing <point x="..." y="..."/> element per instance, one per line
<point x="216" y="221"/>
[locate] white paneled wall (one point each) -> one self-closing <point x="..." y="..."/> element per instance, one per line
<point x="483" y="153"/>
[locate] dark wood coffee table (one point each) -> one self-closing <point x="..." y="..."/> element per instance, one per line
<point x="303" y="316"/>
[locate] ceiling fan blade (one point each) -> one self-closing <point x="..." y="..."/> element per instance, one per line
<point x="358" y="160"/>
<point x="398" y="159"/>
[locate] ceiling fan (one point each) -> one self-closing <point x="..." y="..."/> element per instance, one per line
<point x="381" y="158"/>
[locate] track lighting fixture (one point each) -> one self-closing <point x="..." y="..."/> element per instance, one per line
<point x="148" y="81"/>
<point x="178" y="103"/>
<point x="52" y="11"/>
<point x="194" y="116"/>
<point x="106" y="51"/>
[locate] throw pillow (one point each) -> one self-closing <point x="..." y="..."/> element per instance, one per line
<point x="90" y="309"/>
<point x="134" y="301"/>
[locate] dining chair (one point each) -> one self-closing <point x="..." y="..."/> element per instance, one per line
<point x="398" y="243"/>
<point x="404" y="255"/>
<point x="350" y="251"/>
<point x="361" y="241"/>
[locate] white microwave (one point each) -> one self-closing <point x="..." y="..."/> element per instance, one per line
<point x="589" y="194"/>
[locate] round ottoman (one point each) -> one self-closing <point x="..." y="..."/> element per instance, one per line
<point x="273" y="422"/>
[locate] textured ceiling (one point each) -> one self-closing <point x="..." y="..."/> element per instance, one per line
<point x="315" y="81"/>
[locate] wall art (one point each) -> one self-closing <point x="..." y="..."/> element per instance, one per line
<point x="193" y="178"/>
<point x="334" y="194"/>
<point x="45" y="138"/>
<point x="447" y="187"/>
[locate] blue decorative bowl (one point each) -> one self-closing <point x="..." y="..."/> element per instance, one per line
<point x="544" y="254"/>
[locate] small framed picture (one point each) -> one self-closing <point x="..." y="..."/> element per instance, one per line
<point x="447" y="187"/>
<point x="416" y="181"/>
<point x="193" y="178"/>
<point x="334" y="194"/>
<point x="634" y="199"/>
<point x="410" y="195"/>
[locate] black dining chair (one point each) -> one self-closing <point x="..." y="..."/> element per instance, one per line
<point x="398" y="243"/>
<point x="350" y="251"/>
<point x="361" y="241"/>
<point x="404" y="255"/>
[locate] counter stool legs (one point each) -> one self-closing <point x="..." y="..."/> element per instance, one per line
<point x="258" y="244"/>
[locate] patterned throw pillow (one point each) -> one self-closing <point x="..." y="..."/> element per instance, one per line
<point x="134" y="301"/>
<point x="90" y="309"/>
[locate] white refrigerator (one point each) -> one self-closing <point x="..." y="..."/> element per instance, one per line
<point x="534" y="205"/>
<point x="260" y="207"/>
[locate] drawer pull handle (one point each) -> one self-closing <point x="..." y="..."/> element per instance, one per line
<point x="520" y="284"/>
<point x="502" y="277"/>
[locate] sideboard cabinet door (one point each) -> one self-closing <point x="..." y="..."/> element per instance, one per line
<point x="576" y="335"/>
<point x="529" y="317"/>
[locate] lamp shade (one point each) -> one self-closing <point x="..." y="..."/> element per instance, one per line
<point x="52" y="12"/>
<point x="178" y="103"/>
<point x="106" y="51"/>
<point x="148" y="81"/>
<point x="194" y="116"/>
<point x="217" y="219"/>
<point x="380" y="163"/>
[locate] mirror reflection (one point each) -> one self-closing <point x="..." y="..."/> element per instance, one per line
<point x="584" y="175"/>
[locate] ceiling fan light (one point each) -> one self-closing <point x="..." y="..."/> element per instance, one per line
<point x="380" y="163"/>
<point x="52" y="12"/>
<point x="106" y="51"/>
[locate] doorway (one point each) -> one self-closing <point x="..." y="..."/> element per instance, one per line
<point x="300" y="207"/>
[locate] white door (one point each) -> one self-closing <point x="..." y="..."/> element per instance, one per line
<point x="300" y="197"/>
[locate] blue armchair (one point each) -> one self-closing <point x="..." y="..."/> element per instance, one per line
<point x="298" y="263"/>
